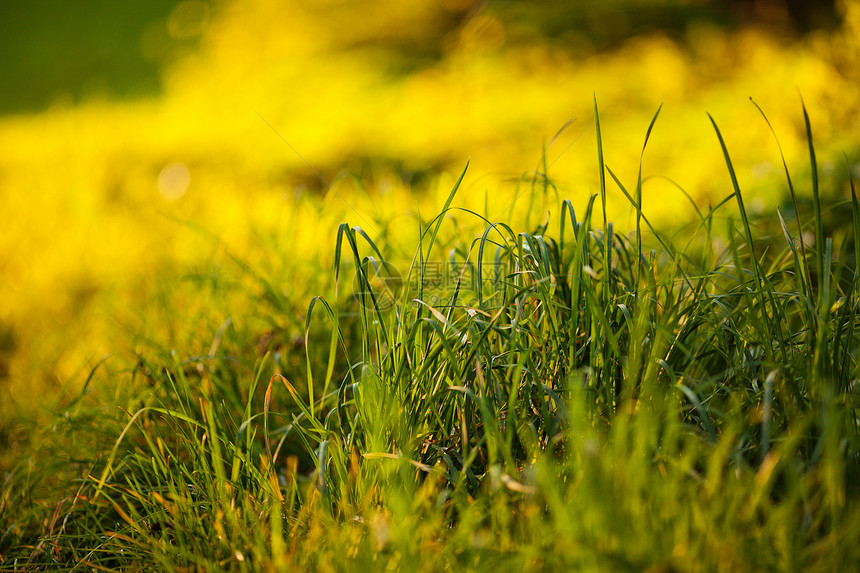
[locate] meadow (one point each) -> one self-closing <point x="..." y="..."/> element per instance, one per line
<point x="460" y="296"/>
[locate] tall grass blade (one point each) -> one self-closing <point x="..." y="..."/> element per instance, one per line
<point x="803" y="268"/>
<point x="763" y="314"/>
<point x="639" y="205"/>
<point x="816" y="206"/>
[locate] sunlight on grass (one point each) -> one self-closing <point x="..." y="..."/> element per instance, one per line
<point x="184" y="238"/>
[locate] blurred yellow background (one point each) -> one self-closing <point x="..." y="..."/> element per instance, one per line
<point x="276" y="121"/>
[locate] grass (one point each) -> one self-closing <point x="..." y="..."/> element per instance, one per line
<point x="572" y="398"/>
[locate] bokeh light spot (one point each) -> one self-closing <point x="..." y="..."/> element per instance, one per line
<point x="173" y="181"/>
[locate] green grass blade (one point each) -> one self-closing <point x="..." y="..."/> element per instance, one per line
<point x="816" y="204"/>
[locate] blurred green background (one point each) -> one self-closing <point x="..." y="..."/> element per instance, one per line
<point x="67" y="51"/>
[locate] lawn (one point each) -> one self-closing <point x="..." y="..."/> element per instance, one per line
<point x="428" y="287"/>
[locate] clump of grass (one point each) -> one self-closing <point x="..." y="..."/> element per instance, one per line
<point x="580" y="398"/>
